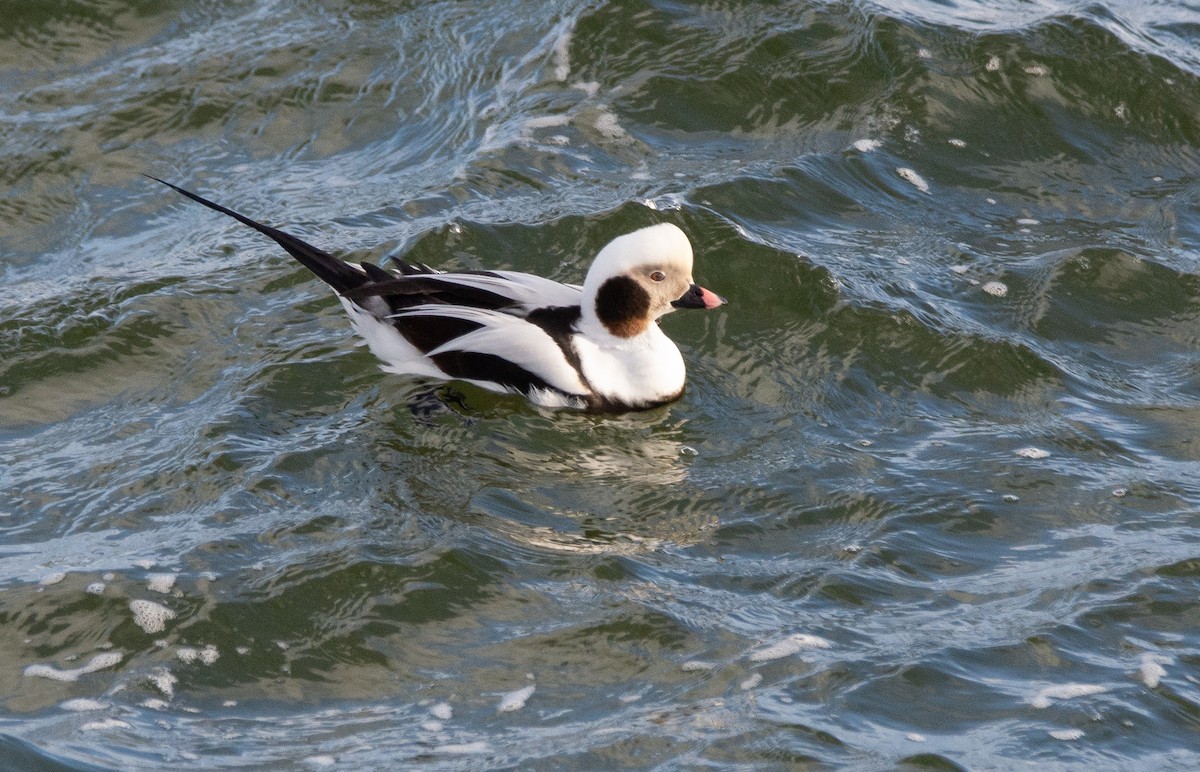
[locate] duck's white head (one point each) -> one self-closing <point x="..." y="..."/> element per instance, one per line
<point x="639" y="277"/>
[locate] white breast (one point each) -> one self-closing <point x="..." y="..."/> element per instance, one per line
<point x="645" y="369"/>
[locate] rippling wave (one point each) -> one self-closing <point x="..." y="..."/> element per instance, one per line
<point x="930" y="498"/>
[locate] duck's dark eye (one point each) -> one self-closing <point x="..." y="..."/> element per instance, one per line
<point x="657" y="276"/>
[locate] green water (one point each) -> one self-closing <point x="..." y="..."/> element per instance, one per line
<point x="930" y="499"/>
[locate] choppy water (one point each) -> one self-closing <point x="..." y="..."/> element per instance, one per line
<point x="932" y="497"/>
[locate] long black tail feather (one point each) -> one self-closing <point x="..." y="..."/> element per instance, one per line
<point x="334" y="272"/>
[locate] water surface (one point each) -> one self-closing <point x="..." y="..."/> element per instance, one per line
<point x="931" y="496"/>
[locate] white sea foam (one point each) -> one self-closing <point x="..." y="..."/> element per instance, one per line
<point x="515" y="700"/>
<point x="996" y="288"/>
<point x="1034" y="453"/>
<point x="161" y="582"/>
<point x="789" y="646"/>
<point x="164" y="680"/>
<point x="106" y="723"/>
<point x="693" y="665"/>
<point x="993" y="64"/>
<point x="95" y="588"/>
<point x="590" y="88"/>
<point x="1151" y="669"/>
<point x="1046" y="696"/>
<point x="751" y="682"/>
<point x="866" y="145"/>
<point x="98" y="662"/>
<point x="955" y="142"/>
<point x="83" y="705"/>
<point x="1066" y="734"/>
<point x="464" y="748"/>
<point x="606" y="123"/>
<point x="562" y="57"/>
<point x="442" y="711"/>
<point x="150" y="616"/>
<point x="53" y="578"/>
<point x="911" y="176"/>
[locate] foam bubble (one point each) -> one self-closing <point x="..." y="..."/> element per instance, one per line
<point x="1028" y="221"/>
<point x="911" y="176"/>
<point x="913" y="737"/>
<point x="997" y="288"/>
<point x="95" y="588"/>
<point x="1064" y="692"/>
<point x="98" y="662"/>
<point x="1066" y="734"/>
<point x="515" y="700"/>
<point x="462" y="748"/>
<point x="53" y="578"/>
<point x="150" y="616"/>
<point x="606" y="123"/>
<point x="154" y="703"/>
<point x="82" y="705"/>
<point x="1151" y="669"/>
<point x="751" y="682"/>
<point x="562" y="57"/>
<point x="431" y="726"/>
<point x="954" y="141"/>
<point x="590" y="87"/>
<point x="321" y="761"/>
<point x="1036" y="69"/>
<point x="161" y="582"/>
<point x="186" y="654"/>
<point x="164" y="680"/>
<point x="866" y="145"/>
<point x="1034" y="453"/>
<point x="693" y="665"/>
<point x="442" y="711"/>
<point x="107" y="723"/>
<point x="789" y="646"/>
<point x="209" y="654"/>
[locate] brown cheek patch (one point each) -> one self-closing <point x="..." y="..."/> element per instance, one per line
<point x="623" y="307"/>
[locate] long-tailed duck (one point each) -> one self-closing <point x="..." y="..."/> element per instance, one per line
<point x="596" y="346"/>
